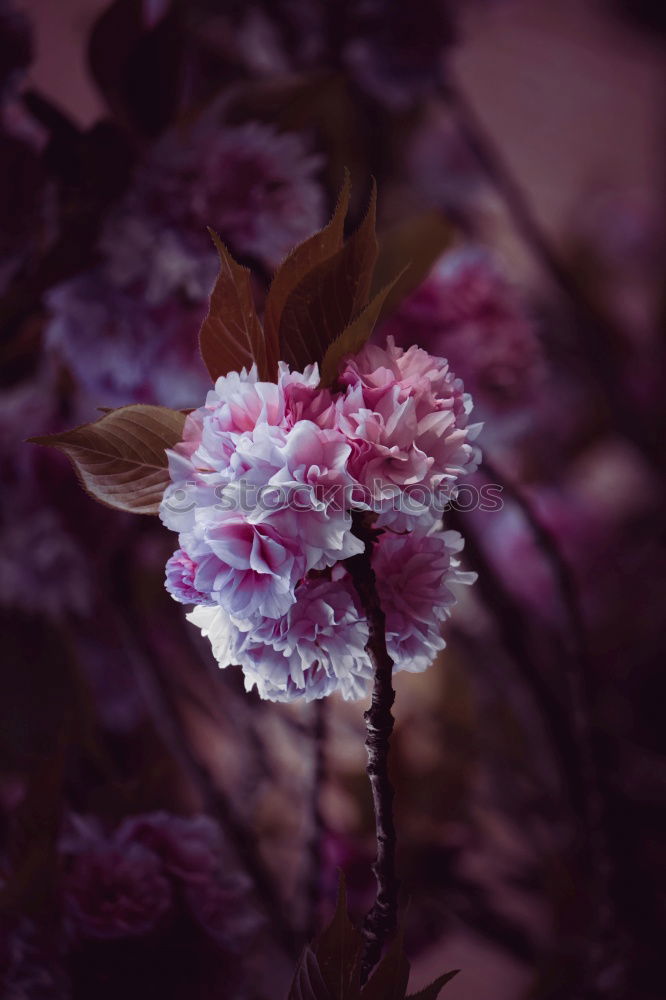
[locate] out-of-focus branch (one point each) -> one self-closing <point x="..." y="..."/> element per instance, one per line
<point x="600" y="338"/>
<point x="579" y="680"/>
<point x="317" y="823"/>
<point x="511" y="628"/>
<point x="159" y="694"/>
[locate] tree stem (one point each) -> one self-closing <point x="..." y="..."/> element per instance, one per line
<point x="382" y="919"/>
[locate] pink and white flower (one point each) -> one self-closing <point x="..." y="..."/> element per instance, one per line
<point x="247" y="568"/>
<point x="414" y="573"/>
<point x="406" y="416"/>
<point x="317" y="648"/>
<point x="265" y="498"/>
<point x="180" y="574"/>
<point x="263" y="489"/>
<point x="309" y="494"/>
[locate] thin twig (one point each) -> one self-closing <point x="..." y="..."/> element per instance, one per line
<point x="317" y="822"/>
<point x="382" y="919"/>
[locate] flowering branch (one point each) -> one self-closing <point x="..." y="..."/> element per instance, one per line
<point x="382" y="918"/>
<point x="306" y="410"/>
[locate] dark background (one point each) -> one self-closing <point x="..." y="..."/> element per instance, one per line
<point x="528" y="761"/>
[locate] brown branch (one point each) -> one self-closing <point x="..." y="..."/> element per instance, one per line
<point x="382" y="919"/>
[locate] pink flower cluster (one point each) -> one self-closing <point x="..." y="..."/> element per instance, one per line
<point x="264" y="485"/>
<point x="258" y="187"/>
<point x="133" y="881"/>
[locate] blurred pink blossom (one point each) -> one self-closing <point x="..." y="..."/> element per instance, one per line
<point x="43" y="569"/>
<point x="193" y="853"/>
<point x="120" y="350"/>
<point x="255" y="185"/>
<point x="112" y="890"/>
<point x="467" y="312"/>
<point x="189" y="847"/>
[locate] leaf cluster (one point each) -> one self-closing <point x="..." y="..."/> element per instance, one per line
<point x="322" y="306"/>
<point x="330" y="968"/>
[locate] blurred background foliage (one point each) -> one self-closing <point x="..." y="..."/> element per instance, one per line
<point x="518" y="151"/>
